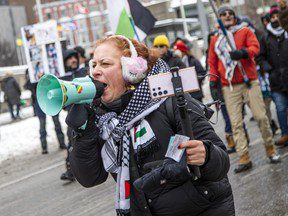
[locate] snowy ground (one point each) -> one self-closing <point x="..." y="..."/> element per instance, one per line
<point x="21" y="137"/>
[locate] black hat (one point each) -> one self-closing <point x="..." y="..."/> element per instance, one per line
<point x="80" y="50"/>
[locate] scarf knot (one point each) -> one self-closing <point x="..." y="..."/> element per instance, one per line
<point x="110" y="126"/>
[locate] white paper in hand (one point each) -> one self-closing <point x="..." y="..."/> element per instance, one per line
<point x="173" y="152"/>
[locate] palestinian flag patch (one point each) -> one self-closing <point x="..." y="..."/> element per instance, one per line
<point x="142" y="134"/>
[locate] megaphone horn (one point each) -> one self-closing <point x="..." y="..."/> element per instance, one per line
<point x="54" y="94"/>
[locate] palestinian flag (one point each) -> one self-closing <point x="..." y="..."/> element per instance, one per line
<point x="130" y="18"/>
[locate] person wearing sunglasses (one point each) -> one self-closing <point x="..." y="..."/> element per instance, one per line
<point x="161" y="43"/>
<point x="223" y="63"/>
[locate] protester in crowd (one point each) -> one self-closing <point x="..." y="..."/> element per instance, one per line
<point x="267" y="97"/>
<point x="126" y="108"/>
<point x="265" y="20"/>
<point x="72" y="71"/>
<point x="263" y="76"/>
<point x="42" y="120"/>
<point x="12" y="94"/>
<point x="274" y="59"/>
<point x="216" y="94"/>
<point x="161" y="43"/>
<point x="190" y="61"/>
<point x="188" y="44"/>
<point x="223" y="63"/>
<point x="245" y="19"/>
<point x="81" y="56"/>
<point x="31" y="87"/>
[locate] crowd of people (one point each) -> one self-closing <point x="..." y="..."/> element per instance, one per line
<point x="125" y="131"/>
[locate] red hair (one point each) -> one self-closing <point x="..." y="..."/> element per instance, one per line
<point x="142" y="50"/>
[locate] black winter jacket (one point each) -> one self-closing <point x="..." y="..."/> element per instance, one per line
<point x="211" y="195"/>
<point x="173" y="60"/>
<point x="11" y="90"/>
<point x="193" y="62"/>
<point x="273" y="58"/>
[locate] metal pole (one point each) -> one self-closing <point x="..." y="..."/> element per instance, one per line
<point x="185" y="27"/>
<point x="14" y="32"/>
<point x="203" y="21"/>
<point x="238" y="9"/>
<point x="39" y="10"/>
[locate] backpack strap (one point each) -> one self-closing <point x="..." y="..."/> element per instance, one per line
<point x="170" y="113"/>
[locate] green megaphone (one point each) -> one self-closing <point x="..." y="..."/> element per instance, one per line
<point x="53" y="94"/>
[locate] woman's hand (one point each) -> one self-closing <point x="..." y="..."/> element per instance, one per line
<point x="196" y="152"/>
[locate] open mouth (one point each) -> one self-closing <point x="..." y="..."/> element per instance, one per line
<point x="105" y="86"/>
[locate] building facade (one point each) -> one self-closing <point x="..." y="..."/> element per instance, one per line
<point x="80" y="23"/>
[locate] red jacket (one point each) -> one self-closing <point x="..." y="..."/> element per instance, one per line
<point x="244" y="38"/>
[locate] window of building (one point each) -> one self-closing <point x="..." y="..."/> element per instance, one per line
<point x="55" y="12"/>
<point x="93" y="6"/>
<point x="71" y="10"/>
<point x="63" y="11"/>
<point x="82" y="31"/>
<point x="97" y="25"/>
<point x="48" y="16"/>
<point x="101" y="5"/>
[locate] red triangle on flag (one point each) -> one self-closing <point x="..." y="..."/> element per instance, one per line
<point x="127" y="189"/>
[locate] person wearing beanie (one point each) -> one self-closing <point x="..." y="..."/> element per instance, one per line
<point x="265" y="20"/>
<point x="190" y="61"/>
<point x="223" y="65"/>
<point x="225" y="9"/>
<point x="273" y="59"/>
<point x="161" y="43"/>
<point x="81" y="55"/>
<point x="72" y="71"/>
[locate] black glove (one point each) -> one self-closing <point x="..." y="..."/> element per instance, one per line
<point x="239" y="54"/>
<point x="164" y="178"/>
<point x="81" y="118"/>
<point x="216" y="92"/>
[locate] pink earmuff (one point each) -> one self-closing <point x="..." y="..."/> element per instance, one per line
<point x="134" y="69"/>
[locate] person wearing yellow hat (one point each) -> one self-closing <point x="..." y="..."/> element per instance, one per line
<point x="161" y="43"/>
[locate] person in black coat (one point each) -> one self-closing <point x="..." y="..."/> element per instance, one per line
<point x="123" y="131"/>
<point x="72" y="71"/>
<point x="12" y="94"/>
<point x="42" y="117"/>
<point x="273" y="59"/>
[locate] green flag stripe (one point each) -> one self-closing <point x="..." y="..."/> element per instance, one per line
<point x="140" y="133"/>
<point x="124" y="26"/>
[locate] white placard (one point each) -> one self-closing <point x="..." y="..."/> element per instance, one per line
<point x="43" y="50"/>
<point x="46" y="33"/>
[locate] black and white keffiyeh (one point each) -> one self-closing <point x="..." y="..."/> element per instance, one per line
<point x="222" y="50"/>
<point x="115" y="130"/>
<point x="277" y="31"/>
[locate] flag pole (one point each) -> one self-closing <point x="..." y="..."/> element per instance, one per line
<point x="125" y="2"/>
<point x="134" y="29"/>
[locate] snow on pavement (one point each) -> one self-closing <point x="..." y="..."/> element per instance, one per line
<point x="22" y="137"/>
